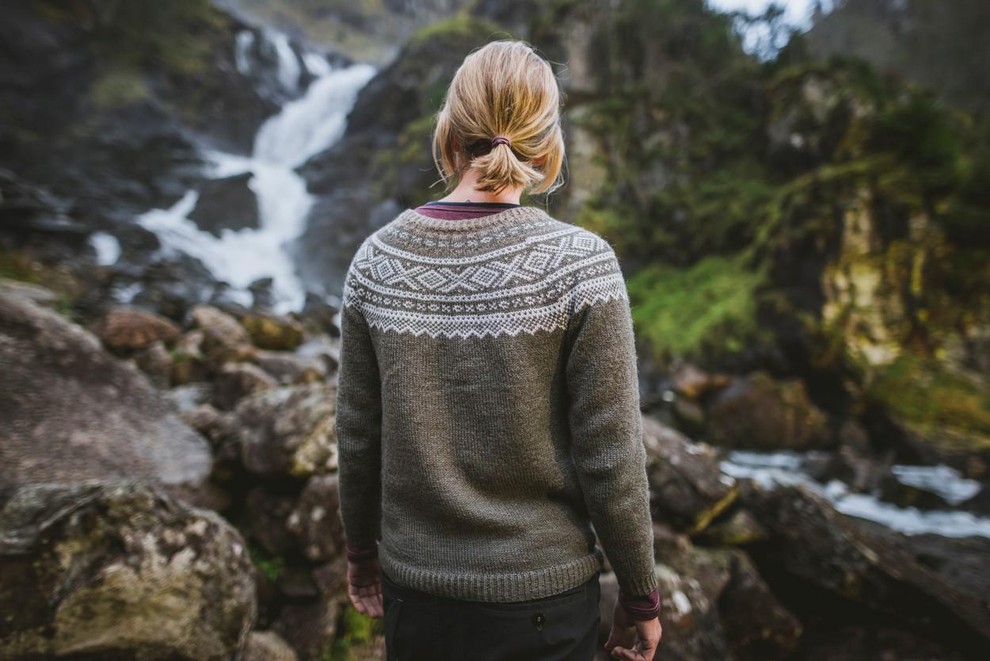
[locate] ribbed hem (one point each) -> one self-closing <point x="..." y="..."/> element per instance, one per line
<point x="515" y="214"/>
<point x="499" y="588"/>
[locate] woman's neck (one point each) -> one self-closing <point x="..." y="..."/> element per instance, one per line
<point x="466" y="191"/>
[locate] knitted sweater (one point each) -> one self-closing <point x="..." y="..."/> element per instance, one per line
<point x="488" y="408"/>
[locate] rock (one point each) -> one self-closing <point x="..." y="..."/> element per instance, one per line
<point x="687" y="489"/>
<point x="226" y="204"/>
<point x="189" y="397"/>
<point x="156" y="362"/>
<point x="224" y="339"/>
<point x="62" y="396"/>
<point x="739" y="529"/>
<point x="270" y="331"/>
<point x="320" y="315"/>
<point x="693" y="383"/>
<point x="309" y="628"/>
<point x="316" y="519"/>
<point x="262" y="293"/>
<point x="322" y="348"/>
<point x="126" y="330"/>
<point x="265" y="515"/>
<point x="762" y="413"/>
<point x="756" y="626"/>
<point x="188" y="361"/>
<point x="120" y="571"/>
<point x="34" y="293"/>
<point x="238" y="380"/>
<point x="331" y="578"/>
<point x="221" y="429"/>
<point x="289" y="431"/>
<point x="827" y="566"/>
<point x="289" y="368"/>
<point x="268" y="646"/>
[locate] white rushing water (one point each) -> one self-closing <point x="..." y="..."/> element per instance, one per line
<point x="303" y="128"/>
<point x="789" y="468"/>
<point x="107" y="248"/>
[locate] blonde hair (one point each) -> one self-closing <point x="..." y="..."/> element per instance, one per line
<point x="503" y="89"/>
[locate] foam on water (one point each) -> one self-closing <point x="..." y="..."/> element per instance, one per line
<point x="787" y="469"/>
<point x="305" y="127"/>
<point x="941" y="479"/>
<point x="107" y="248"/>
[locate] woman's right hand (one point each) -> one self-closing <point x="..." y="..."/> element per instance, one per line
<point x="633" y="640"/>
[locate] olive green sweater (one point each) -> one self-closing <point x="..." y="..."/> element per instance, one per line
<point x="488" y="419"/>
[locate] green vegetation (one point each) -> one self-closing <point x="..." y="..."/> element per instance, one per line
<point x="726" y="176"/>
<point x="271" y="566"/>
<point x="708" y="308"/>
<point x="354" y="632"/>
<point x="949" y="408"/>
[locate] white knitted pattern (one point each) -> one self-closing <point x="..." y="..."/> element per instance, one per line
<point x="535" y="284"/>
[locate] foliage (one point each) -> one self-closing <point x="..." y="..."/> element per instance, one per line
<point x="353" y="631"/>
<point x="932" y="398"/>
<point x="710" y="307"/>
<point x="726" y="176"/>
<point x="271" y="566"/>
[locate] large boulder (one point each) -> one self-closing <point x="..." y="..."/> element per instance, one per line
<point x="120" y="571"/>
<point x="73" y="412"/>
<point x="288" y="431"/>
<point x="226" y="204"/>
<point x="760" y="412"/>
<point x="315" y="519"/>
<point x="826" y="567"/>
<point x="125" y="330"/>
<point x="687" y="489"/>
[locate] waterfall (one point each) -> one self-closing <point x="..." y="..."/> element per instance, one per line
<point x="304" y="127"/>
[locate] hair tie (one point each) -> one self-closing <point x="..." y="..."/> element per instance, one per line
<point x="500" y="140"/>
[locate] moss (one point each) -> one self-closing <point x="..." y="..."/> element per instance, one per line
<point x="949" y="408"/>
<point x="354" y="632"/>
<point x="118" y="87"/>
<point x="707" y="309"/>
<point x="460" y="27"/>
<point x="271" y="566"/>
<point x="21" y="266"/>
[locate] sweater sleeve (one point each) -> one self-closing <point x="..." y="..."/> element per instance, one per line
<point x="358" y="426"/>
<point x="606" y="428"/>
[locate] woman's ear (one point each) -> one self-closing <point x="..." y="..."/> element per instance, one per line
<point x="539" y="161"/>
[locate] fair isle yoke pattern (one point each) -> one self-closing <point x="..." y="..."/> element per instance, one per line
<point x="517" y="271"/>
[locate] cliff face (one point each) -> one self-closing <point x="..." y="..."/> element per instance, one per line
<point x="941" y="45"/>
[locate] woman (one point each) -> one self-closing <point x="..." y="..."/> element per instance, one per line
<point x="488" y="416"/>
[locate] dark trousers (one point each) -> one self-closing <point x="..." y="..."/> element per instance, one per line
<point x="421" y="627"/>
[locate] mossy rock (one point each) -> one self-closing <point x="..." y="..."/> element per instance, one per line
<point x="273" y="332"/>
<point x="945" y="412"/>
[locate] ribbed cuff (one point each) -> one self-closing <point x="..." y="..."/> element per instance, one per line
<point x="645" y="607"/>
<point x="361" y="554"/>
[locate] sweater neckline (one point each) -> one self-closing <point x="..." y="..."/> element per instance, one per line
<point x="510" y="216"/>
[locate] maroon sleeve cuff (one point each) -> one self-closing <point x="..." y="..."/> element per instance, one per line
<point x="644" y="607"/>
<point x="358" y="554"/>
